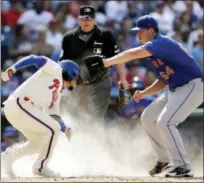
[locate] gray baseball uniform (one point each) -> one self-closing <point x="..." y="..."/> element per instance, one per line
<point x="160" y="120"/>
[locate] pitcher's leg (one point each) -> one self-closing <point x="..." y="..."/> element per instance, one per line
<point x="148" y="120"/>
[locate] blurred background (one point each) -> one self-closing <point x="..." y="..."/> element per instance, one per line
<point x="37" y="27"/>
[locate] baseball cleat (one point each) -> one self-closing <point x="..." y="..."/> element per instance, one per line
<point x="7" y="165"/>
<point x="180" y="172"/>
<point x="158" y="168"/>
<point x="45" y="172"/>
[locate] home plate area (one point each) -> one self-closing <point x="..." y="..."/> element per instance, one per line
<point x="104" y="179"/>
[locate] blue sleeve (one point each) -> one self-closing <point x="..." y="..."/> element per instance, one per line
<point x="37" y="61"/>
<point x="157" y="48"/>
<point x="63" y="126"/>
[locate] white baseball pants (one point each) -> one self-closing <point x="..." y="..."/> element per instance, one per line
<point x="161" y="117"/>
<point x="38" y="127"/>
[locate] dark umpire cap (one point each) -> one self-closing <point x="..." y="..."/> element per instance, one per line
<point x="87" y="12"/>
<point x="145" y="22"/>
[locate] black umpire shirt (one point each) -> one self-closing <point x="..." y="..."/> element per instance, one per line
<point x="77" y="45"/>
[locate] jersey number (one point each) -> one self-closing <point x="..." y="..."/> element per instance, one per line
<point x="168" y="72"/>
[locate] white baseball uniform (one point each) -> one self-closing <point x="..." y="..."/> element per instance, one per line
<point x="28" y="110"/>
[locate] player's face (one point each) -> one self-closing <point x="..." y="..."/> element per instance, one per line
<point x="86" y="24"/>
<point x="70" y="84"/>
<point x="143" y="35"/>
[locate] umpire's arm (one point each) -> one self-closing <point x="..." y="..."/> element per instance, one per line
<point x="113" y="50"/>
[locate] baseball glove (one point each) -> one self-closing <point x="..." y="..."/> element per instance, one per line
<point x="95" y="67"/>
<point x="94" y="64"/>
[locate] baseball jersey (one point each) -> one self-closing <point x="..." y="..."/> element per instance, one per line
<point x="171" y="62"/>
<point x="44" y="87"/>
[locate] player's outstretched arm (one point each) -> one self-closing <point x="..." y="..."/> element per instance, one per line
<point x="127" y="56"/>
<point x="37" y="61"/>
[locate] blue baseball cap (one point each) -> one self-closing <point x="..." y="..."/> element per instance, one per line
<point x="10" y="131"/>
<point x="70" y="70"/>
<point x="145" y="22"/>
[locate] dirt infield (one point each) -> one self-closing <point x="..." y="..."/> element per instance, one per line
<point x="99" y="154"/>
<point x="105" y="179"/>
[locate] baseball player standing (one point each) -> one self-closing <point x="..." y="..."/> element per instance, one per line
<point x="175" y="68"/>
<point x="33" y="109"/>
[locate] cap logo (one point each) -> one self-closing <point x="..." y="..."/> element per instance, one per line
<point x="87" y="10"/>
<point x="97" y="51"/>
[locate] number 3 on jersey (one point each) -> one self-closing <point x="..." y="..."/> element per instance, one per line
<point x="168" y="72"/>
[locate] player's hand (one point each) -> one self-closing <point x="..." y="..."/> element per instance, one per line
<point x="138" y="95"/>
<point x="68" y="133"/>
<point x="106" y="63"/>
<point x="7" y="75"/>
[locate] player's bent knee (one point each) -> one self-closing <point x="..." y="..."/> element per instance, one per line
<point x="145" y="118"/>
<point x="52" y="128"/>
<point x="47" y="137"/>
<point x="51" y="131"/>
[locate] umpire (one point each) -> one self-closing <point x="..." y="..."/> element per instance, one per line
<point x="89" y="39"/>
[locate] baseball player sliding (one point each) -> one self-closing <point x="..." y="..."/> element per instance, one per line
<point x="33" y="109"/>
<point x="175" y="68"/>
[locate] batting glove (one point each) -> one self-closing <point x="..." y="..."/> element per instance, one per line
<point x="68" y="133"/>
<point x="6" y="76"/>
